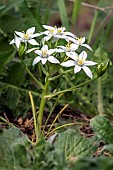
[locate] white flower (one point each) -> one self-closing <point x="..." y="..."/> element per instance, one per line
<point x="57" y="33"/>
<point x="79" y="62"/>
<point x="63" y="34"/>
<point x="16" y="41"/>
<point x="80" y="42"/>
<point x="45" y="54"/>
<point x="68" y="49"/>
<point x="50" y="32"/>
<point x="25" y="37"/>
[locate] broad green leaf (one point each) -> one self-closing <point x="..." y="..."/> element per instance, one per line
<point x="102" y="128"/>
<point x="75" y="145"/>
<point x="13" y="153"/>
<point x="99" y="163"/>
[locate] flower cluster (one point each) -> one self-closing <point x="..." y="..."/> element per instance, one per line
<point x="51" y="45"/>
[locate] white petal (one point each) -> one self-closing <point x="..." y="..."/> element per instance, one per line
<point x="89" y="63"/>
<point x="45" y="47"/>
<point x="44" y="60"/>
<point x="72" y="39"/>
<point x="48" y="27"/>
<point x="45" y="32"/>
<point x="36" y="35"/>
<point x="17" y="41"/>
<point x="33" y="42"/>
<point x="30" y="50"/>
<point x="83" y="40"/>
<point x="20" y="34"/>
<point x="87" y="71"/>
<point x="30" y="30"/>
<point x="39" y="52"/>
<point x="12" y="42"/>
<point x="47" y="37"/>
<point x="77" y="69"/>
<point x="52" y="59"/>
<point x="36" y="60"/>
<point x="70" y="34"/>
<point x="68" y="63"/>
<point x="51" y="51"/>
<point x="72" y="55"/>
<point x="83" y="55"/>
<point x="87" y="46"/>
<point x="59" y="50"/>
<point x="74" y="46"/>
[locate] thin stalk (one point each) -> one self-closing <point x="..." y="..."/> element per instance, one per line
<point x="51" y="112"/>
<point x="93" y="24"/>
<point x="32" y="76"/>
<point x="100" y="98"/>
<point x="70" y="89"/>
<point x="61" y="74"/>
<point x="57" y="116"/>
<point x="42" y="105"/>
<point x="34" y="116"/>
<point x="65" y="125"/>
<point x="19" y="88"/>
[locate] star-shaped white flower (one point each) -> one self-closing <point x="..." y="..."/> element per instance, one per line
<point x="79" y="62"/>
<point x="25" y="37"/>
<point x="57" y="33"/>
<point x="80" y="42"/>
<point x="50" y="32"/>
<point x="44" y="55"/>
<point x="68" y="49"/>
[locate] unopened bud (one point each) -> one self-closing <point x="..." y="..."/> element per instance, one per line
<point x="102" y="67"/>
<point x="22" y="49"/>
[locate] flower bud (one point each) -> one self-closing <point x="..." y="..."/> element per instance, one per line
<point x="22" y="49"/>
<point x="102" y="67"/>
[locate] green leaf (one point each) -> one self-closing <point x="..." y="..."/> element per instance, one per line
<point x="16" y="74"/>
<point x="13" y="153"/>
<point x="2" y="6"/>
<point x="99" y="163"/>
<point x="12" y="98"/>
<point x="75" y="145"/>
<point x="102" y="128"/>
<point x="5" y="58"/>
<point x="63" y="13"/>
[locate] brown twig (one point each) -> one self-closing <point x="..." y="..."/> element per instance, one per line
<point x="103" y="9"/>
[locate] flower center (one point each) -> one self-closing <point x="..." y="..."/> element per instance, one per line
<point x="44" y="53"/>
<point x="81" y="61"/>
<point x="79" y="40"/>
<point x="68" y="46"/>
<point x="26" y="36"/>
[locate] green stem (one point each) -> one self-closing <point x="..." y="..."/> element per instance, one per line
<point x="19" y="88"/>
<point x="76" y="9"/>
<point x="42" y="105"/>
<point x="70" y="89"/>
<point x="93" y="24"/>
<point x="34" y="115"/>
<point x="100" y="98"/>
<point x="61" y="74"/>
<point x="51" y="112"/>
<point x="32" y="76"/>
